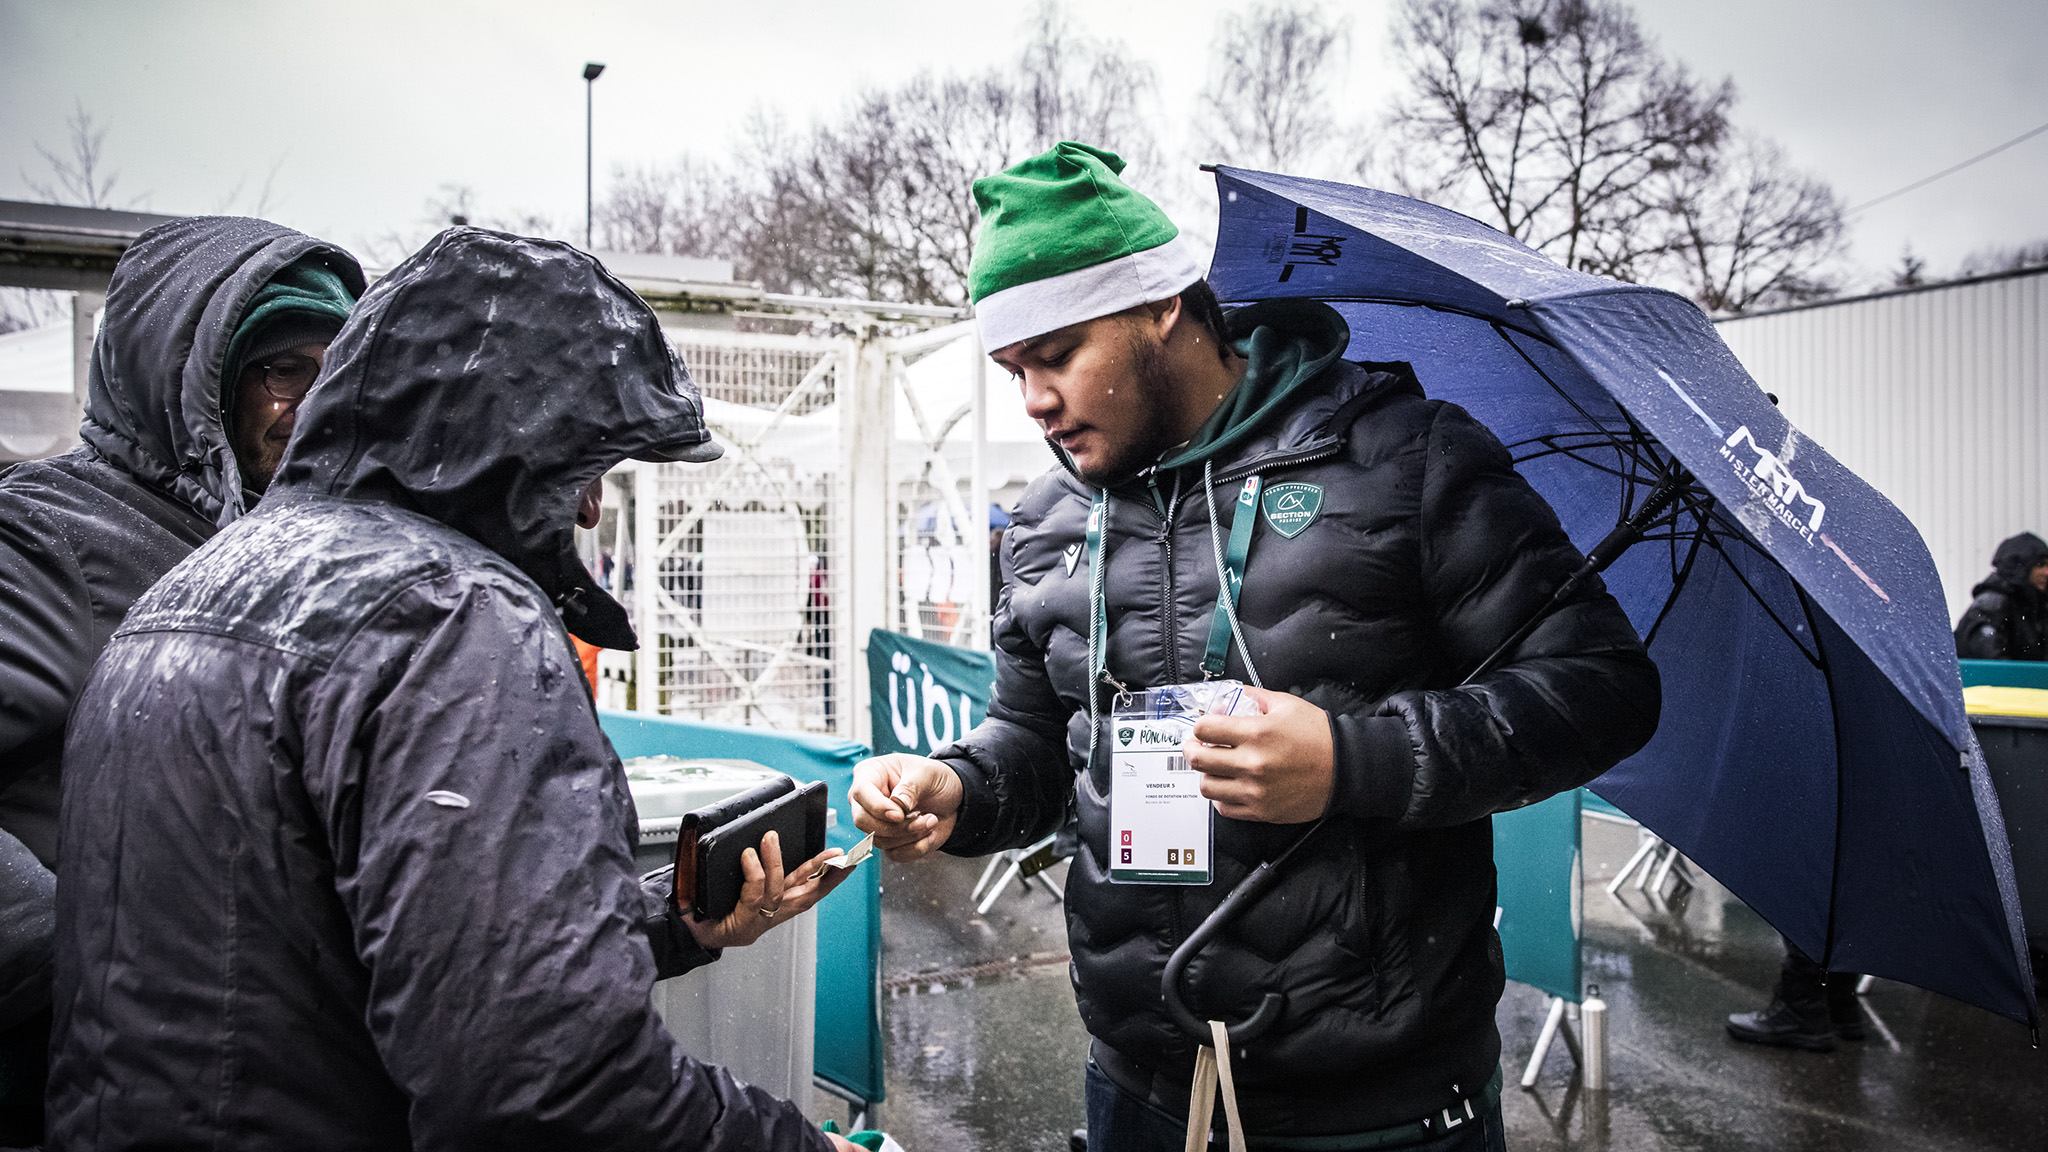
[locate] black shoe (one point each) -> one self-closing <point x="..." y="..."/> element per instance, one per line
<point x="1845" y="1008"/>
<point x="1786" y="1025"/>
<point x="1078" y="1142"/>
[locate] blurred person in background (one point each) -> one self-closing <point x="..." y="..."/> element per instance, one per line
<point x="214" y="330"/>
<point x="2008" y="614"/>
<point x="349" y="863"/>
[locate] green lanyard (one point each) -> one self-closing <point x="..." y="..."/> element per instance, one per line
<point x="1242" y="521"/>
<point x="1098" y="600"/>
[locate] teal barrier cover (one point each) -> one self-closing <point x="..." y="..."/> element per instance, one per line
<point x="847" y="1045"/>
<point x="1593" y="802"/>
<point x="923" y="695"/>
<point x="2005" y="673"/>
<point x="1536" y="853"/>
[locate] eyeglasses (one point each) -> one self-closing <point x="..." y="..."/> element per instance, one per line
<point x="288" y="377"/>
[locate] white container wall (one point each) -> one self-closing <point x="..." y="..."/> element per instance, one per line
<point x="1934" y="395"/>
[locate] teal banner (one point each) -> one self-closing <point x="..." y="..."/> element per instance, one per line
<point x="923" y="695"/>
<point x="1536" y="853"/>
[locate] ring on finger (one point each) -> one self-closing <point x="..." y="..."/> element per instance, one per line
<point x="768" y="913"/>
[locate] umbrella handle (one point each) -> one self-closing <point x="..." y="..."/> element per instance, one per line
<point x="1605" y="553"/>
<point x="1248" y="892"/>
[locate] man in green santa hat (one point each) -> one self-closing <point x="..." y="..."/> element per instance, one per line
<point x="1378" y="545"/>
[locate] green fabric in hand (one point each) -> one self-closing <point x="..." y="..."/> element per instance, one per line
<point x="870" y="1140"/>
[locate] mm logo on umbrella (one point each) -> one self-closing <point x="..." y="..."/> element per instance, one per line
<point x="1770" y="479"/>
<point x="1303" y="247"/>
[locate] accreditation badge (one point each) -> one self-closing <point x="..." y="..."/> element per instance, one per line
<point x="1161" y="830"/>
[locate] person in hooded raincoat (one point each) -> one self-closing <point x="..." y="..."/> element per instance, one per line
<point x="204" y="319"/>
<point x="348" y="862"/>
<point x="2008" y="614"/>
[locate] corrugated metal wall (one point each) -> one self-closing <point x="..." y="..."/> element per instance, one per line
<point x="1936" y="396"/>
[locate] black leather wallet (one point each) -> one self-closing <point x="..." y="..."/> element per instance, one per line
<point x="709" y="843"/>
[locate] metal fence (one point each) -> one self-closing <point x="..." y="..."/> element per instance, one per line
<point x="735" y="573"/>
<point x="844" y="502"/>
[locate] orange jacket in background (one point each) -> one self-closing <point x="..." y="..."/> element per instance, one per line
<point x="587" y="655"/>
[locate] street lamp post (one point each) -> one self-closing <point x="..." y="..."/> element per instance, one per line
<point x="590" y="74"/>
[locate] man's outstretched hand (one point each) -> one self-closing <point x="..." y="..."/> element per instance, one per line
<point x="1277" y="768"/>
<point x="909" y="802"/>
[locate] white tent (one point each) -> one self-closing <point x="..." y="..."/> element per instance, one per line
<point x="37" y="416"/>
<point x="942" y="387"/>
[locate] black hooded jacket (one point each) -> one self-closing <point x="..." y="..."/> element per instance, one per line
<point x="2008" y="617"/>
<point x="352" y="859"/>
<point x="85" y="533"/>
<point x="1424" y="550"/>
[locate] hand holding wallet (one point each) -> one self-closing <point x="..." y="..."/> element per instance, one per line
<point x="709" y="843"/>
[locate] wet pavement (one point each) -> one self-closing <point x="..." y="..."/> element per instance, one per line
<point x="984" y="1050"/>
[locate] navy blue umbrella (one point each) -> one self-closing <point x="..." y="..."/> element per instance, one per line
<point x="1814" y="755"/>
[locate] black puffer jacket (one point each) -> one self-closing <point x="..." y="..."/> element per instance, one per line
<point x="2008" y="617"/>
<point x="85" y="533"/>
<point x="1428" y="552"/>
<point x="348" y="862"/>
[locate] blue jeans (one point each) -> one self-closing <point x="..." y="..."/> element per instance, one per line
<point x="1120" y="1122"/>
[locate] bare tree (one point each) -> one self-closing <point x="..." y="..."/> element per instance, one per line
<point x="678" y="210"/>
<point x="877" y="201"/>
<point x="79" y="175"/>
<point x="1071" y="87"/>
<point x="1548" y="118"/>
<point x="22" y="308"/>
<point x="2004" y="258"/>
<point x="450" y="205"/>
<point x="1267" y="100"/>
<point x="1747" y="230"/>
<point x="265" y="198"/>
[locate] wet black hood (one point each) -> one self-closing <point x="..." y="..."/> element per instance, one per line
<point x="484" y="383"/>
<point x="2017" y="555"/>
<point x="153" y="408"/>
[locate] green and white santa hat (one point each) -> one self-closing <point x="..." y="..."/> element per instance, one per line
<point x="1064" y="239"/>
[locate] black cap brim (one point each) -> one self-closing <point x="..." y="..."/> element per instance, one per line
<point x="702" y="452"/>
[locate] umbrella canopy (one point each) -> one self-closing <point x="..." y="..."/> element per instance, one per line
<point x="1814" y="755"/>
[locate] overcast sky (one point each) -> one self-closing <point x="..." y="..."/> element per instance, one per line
<point x="364" y="109"/>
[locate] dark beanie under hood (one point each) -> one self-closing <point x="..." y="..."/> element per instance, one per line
<point x="2017" y="555"/>
<point x="304" y="303"/>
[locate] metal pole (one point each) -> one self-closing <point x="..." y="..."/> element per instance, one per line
<point x="867" y="425"/>
<point x="978" y="510"/>
<point x="1593" y="1016"/>
<point x="589" y="156"/>
<point x="84" y="305"/>
<point x="591" y="72"/>
<point x="1551" y="1023"/>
